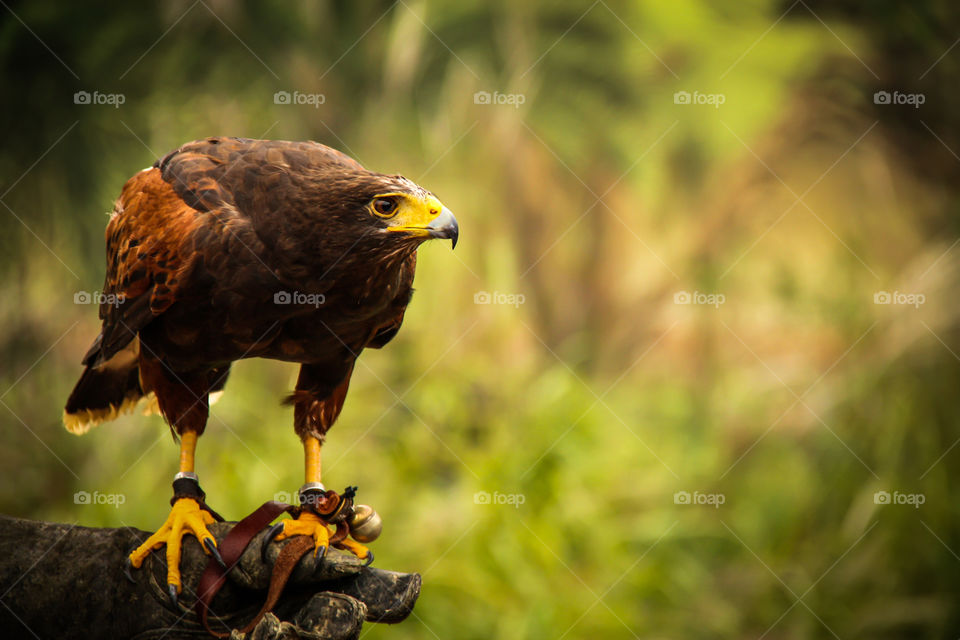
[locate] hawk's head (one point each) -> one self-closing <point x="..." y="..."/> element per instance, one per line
<point x="398" y="206"/>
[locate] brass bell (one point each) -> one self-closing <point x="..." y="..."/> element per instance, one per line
<point x="365" y="523"/>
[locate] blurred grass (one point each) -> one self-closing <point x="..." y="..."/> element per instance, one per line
<point x="598" y="398"/>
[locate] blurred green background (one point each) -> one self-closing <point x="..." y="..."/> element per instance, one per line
<point x="783" y="201"/>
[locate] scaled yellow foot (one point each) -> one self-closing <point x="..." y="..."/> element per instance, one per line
<point x="309" y="524"/>
<point x="356" y="549"/>
<point x="186" y="517"/>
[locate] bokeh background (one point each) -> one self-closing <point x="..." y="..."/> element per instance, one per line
<point x="750" y="297"/>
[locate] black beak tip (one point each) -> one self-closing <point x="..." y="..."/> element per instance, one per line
<point x="453" y="232"/>
<point x="445" y="227"/>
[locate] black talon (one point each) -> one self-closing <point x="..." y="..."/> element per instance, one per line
<point x="127" y="565"/>
<point x="320" y="553"/>
<point x="172" y="590"/>
<point x="211" y="546"/>
<point x="369" y="558"/>
<point x="274" y="531"/>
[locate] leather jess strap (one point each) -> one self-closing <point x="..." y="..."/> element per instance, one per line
<point x="232" y="548"/>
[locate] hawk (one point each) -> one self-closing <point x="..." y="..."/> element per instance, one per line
<point x="231" y="248"/>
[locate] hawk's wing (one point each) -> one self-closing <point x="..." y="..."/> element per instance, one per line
<point x="149" y="257"/>
<point x="182" y="211"/>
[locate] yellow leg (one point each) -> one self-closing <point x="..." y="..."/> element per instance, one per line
<point x="311" y="454"/>
<point x="308" y="523"/>
<point x="186" y="517"/>
<point x="188" y="446"/>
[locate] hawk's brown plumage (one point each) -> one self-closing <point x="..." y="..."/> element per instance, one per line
<point x="231" y="248"/>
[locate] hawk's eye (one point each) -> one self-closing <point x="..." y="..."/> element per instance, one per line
<point x="385" y="207"/>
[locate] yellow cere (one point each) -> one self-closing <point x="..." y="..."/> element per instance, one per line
<point x="413" y="214"/>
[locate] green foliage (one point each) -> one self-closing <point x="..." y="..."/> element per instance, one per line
<point x="594" y="399"/>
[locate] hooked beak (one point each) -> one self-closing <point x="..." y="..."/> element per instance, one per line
<point x="445" y="226"/>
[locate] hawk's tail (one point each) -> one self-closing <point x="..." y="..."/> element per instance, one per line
<point x="106" y="391"/>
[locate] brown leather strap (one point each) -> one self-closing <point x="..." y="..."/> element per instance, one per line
<point x="289" y="557"/>
<point x="231" y="549"/>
